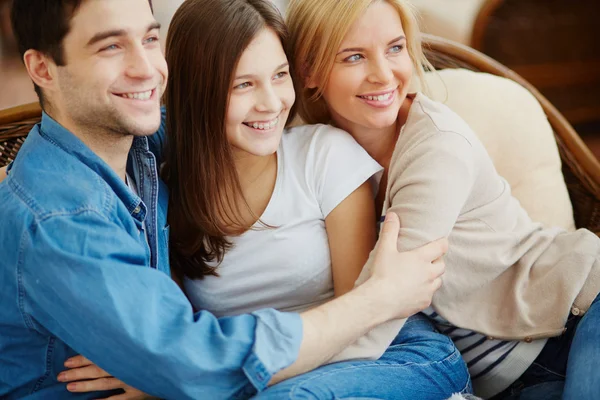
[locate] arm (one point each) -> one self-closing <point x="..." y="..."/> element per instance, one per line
<point x="428" y="192"/>
<point x="3" y="173"/>
<point x="135" y="323"/>
<point x="351" y="234"/>
<point x="331" y="327"/>
<point x="400" y="285"/>
<point x="429" y="186"/>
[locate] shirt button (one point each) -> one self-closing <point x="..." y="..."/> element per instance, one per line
<point x="575" y="311"/>
<point x="137" y="210"/>
<point x="528" y="340"/>
<point x="490" y="338"/>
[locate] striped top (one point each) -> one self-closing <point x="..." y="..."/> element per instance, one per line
<point x="493" y="364"/>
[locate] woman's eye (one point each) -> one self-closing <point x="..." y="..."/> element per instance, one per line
<point x="280" y="75"/>
<point x="397" y="48"/>
<point x="243" y="85"/>
<point x="353" y="58"/>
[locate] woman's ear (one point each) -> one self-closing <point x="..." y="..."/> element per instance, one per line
<point x="310" y="83"/>
<point x="307" y="77"/>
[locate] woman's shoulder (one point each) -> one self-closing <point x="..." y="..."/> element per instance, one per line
<point x="429" y="118"/>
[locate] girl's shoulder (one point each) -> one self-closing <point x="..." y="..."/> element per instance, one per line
<point x="317" y="132"/>
<point x="318" y="138"/>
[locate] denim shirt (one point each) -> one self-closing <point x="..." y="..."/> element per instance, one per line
<point x="77" y="276"/>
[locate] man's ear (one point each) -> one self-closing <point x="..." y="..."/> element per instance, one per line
<point x="40" y="68"/>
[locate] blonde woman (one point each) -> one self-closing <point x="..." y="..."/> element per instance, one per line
<point x="514" y="293"/>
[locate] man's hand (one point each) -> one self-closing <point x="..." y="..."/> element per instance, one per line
<point x="85" y="376"/>
<point x="407" y="281"/>
<point x="400" y="285"/>
<point x="2" y="173"/>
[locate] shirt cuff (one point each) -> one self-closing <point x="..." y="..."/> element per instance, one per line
<point x="276" y="346"/>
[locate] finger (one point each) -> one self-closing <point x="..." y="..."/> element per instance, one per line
<point x="439" y="260"/>
<point x="438" y="269"/>
<point x="434" y="250"/>
<point x="388" y="238"/>
<point x="437" y="283"/>
<point x="77" y="361"/>
<point x="78" y="374"/>
<point x="95" y="385"/>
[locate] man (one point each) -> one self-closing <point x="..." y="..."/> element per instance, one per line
<point x="84" y="266"/>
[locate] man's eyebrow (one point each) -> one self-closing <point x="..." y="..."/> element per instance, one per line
<point x="358" y="49"/>
<point x="285" y="64"/>
<point x="98" y="37"/>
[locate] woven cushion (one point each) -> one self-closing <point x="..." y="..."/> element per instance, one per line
<point x="516" y="133"/>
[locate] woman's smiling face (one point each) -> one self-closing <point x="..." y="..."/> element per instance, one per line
<point x="372" y="71"/>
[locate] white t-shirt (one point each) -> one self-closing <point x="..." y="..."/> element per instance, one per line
<point x="288" y="267"/>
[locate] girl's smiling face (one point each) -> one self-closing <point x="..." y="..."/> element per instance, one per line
<point x="261" y="97"/>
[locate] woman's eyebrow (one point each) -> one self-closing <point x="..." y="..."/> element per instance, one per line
<point x="362" y="49"/>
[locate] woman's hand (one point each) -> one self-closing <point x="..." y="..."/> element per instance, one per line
<point x="85" y="376"/>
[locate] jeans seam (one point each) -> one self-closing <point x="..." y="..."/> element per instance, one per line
<point x="549" y="371"/>
<point x="49" y="354"/>
<point x="374" y="364"/>
<point x="468" y="386"/>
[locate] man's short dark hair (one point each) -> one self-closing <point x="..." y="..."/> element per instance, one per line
<point x="42" y="25"/>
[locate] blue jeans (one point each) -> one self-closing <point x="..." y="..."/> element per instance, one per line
<point x="568" y="367"/>
<point x="420" y="364"/>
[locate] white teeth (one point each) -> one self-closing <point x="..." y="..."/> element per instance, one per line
<point x="138" y="95"/>
<point x="262" y="125"/>
<point x="381" y="97"/>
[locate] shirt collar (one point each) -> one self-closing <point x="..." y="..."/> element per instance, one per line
<point x="54" y="132"/>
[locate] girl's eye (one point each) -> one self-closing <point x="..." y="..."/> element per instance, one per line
<point x="243" y="85"/>
<point x="397" y="49"/>
<point x="353" y="58"/>
<point x="280" y="75"/>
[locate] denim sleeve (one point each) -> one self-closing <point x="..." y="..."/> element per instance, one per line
<point x="157" y="142"/>
<point x="84" y="279"/>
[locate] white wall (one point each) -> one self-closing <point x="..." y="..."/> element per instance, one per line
<point x="164" y="10"/>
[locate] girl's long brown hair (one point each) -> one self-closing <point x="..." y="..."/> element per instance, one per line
<point x="205" y="42"/>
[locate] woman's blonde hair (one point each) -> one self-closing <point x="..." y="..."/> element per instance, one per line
<point x="317" y="29"/>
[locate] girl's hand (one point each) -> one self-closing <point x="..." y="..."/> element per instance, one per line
<point x="85" y="376"/>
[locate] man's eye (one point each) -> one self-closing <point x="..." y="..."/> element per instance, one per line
<point x="111" y="47"/>
<point x="152" y="39"/>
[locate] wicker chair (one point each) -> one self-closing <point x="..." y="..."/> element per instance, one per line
<point x="554" y="44"/>
<point x="581" y="169"/>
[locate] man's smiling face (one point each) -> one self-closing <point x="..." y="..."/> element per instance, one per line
<point x="114" y="72"/>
